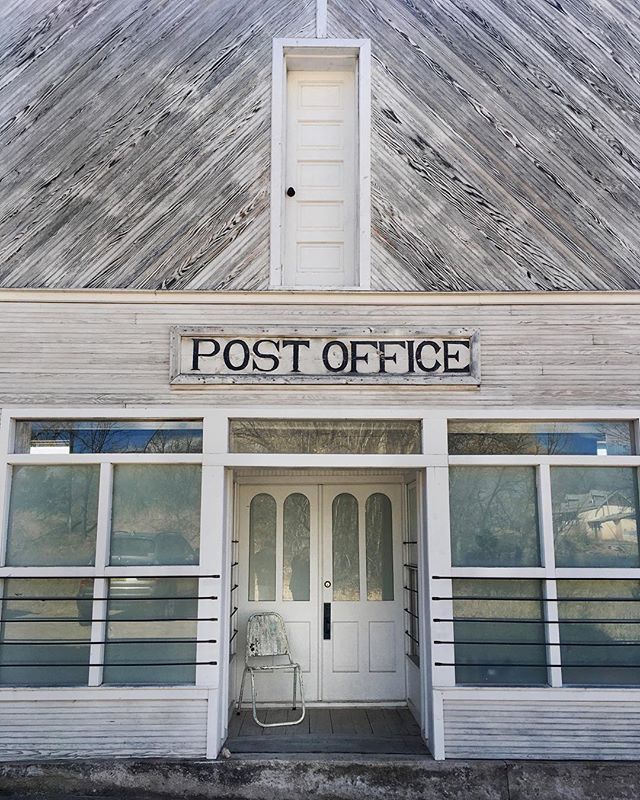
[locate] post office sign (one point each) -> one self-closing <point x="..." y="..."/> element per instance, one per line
<point x="328" y="356"/>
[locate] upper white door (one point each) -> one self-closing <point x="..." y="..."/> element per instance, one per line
<point x="320" y="169"/>
<point x="363" y="647"/>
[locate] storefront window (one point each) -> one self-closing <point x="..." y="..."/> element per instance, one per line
<point x="499" y="632"/>
<point x="45" y="632"/>
<point x="156" y="514"/>
<point x="600" y="632"/>
<point x="506" y="437"/>
<point x="108" y="436"/>
<point x="151" y="631"/>
<point x="494" y="519"/>
<point x="358" y="436"/>
<point x="296" y="548"/>
<point x="53" y="514"/>
<point x="595" y="516"/>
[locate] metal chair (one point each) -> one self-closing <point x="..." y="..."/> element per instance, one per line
<point x="267" y="639"/>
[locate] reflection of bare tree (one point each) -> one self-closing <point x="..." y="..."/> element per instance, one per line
<point x="539" y="438"/>
<point x="53" y="515"/>
<point x="493" y="516"/>
<point x="379" y="538"/>
<point x="296" y="547"/>
<point x="325" y="436"/>
<point x="345" y="546"/>
<point x="111" y="436"/>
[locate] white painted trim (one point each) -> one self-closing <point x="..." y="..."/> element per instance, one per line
<point x="339" y="296"/>
<point x="121" y="693"/>
<point x="301" y="411"/>
<point x="6" y="425"/>
<point x="302" y="49"/>
<point x="321" y="19"/>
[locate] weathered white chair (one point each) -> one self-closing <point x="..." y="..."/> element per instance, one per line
<point x="267" y="639"/>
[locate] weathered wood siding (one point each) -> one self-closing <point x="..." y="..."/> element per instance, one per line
<point x="49" y="729"/>
<point x="135" y="141"/>
<point x="506" y="142"/>
<point x="105" y="353"/>
<point x="542" y="728"/>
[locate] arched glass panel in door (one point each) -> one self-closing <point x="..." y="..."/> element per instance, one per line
<point x="296" y="547"/>
<point x="345" y="548"/>
<point x="262" y="548"/>
<point x="379" y="537"/>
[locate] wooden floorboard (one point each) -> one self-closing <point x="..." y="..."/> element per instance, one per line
<point x="328" y="730"/>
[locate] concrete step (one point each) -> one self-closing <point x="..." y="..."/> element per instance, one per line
<point x="328" y="778"/>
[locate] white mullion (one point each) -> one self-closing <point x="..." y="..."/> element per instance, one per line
<point x="101" y="584"/>
<point x="215" y="432"/>
<point x="53" y="459"/>
<point x="560" y="461"/>
<point x="212" y="551"/>
<point x="6" y="425"/>
<point x="437" y="558"/>
<point x="549" y="593"/>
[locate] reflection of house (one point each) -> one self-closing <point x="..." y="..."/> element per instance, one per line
<point x="600" y="514"/>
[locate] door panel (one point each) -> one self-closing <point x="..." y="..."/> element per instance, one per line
<point x="278" y="541"/>
<point x="319" y="224"/>
<point x="362" y="559"/>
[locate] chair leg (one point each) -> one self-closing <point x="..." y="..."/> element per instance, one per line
<point x="239" y="705"/>
<point x="294" y="689"/>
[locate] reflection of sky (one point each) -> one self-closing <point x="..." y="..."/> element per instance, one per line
<point x="112" y="437"/>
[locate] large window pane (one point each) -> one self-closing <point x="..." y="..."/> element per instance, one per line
<point x="499" y="632"/>
<point x="45" y="632"/>
<point x="595" y="516"/>
<point x="379" y="538"/>
<point x="52" y="515"/>
<point x="262" y="548"/>
<point x="506" y="437"/>
<point x="296" y="544"/>
<point x="156" y="514"/>
<point x="600" y="632"/>
<point x="108" y="436"/>
<point x="494" y="520"/>
<point x="324" y="436"/>
<point x="151" y="631"/>
<point x="346" y="548"/>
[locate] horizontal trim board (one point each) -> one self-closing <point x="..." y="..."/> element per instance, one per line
<point x="289" y="297"/>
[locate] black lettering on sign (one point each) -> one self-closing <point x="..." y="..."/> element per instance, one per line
<point x="197" y="355"/>
<point x="226" y="355"/>
<point x="382" y="348"/>
<point x="259" y="353"/>
<point x="450" y="356"/>
<point x="296" y="344"/>
<point x="355" y="357"/>
<point x="326" y="351"/>
<point x="436" y="349"/>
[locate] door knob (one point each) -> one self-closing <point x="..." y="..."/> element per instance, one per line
<point x="291" y="191"/>
<point x="327" y="584"/>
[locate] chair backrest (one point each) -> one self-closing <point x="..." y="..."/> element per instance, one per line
<point x="266" y="635"/>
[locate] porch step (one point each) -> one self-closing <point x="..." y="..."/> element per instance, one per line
<point x="335" y="743"/>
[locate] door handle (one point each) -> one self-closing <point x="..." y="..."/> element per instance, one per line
<point x="327" y="622"/>
<point x="291" y="192"/>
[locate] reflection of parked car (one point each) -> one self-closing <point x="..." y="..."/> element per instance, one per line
<point x="144" y="550"/>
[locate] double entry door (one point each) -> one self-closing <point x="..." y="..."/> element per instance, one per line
<point x="327" y="557"/>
